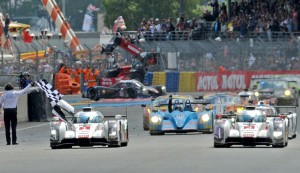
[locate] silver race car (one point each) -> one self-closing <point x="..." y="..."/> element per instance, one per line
<point x="86" y="128"/>
<point x="250" y="127"/>
<point x="291" y="116"/>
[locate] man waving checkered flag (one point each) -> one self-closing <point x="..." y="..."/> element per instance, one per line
<point x="51" y="93"/>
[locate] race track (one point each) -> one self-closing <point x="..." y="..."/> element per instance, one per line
<point x="174" y="153"/>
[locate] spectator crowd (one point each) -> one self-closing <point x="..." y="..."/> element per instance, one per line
<point x="258" y="16"/>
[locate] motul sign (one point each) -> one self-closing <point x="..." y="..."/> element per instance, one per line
<point x="233" y="80"/>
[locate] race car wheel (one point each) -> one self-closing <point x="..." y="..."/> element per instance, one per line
<point x="124" y="144"/>
<point x="113" y="144"/>
<point x="295" y="135"/>
<point x="132" y="93"/>
<point x="156" y="133"/>
<point x="279" y="145"/>
<point x="55" y="146"/>
<point x="221" y="145"/>
<point x="145" y="127"/>
<point x="93" y="94"/>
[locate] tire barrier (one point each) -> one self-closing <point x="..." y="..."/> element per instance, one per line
<point x="65" y="85"/>
<point x="172" y="81"/>
<point x="187" y="82"/>
<point x="159" y="78"/>
<point x="148" y="78"/>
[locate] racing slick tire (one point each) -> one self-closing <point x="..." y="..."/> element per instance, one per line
<point x="221" y="145"/>
<point x="280" y="145"/>
<point x="124" y="144"/>
<point x="132" y="93"/>
<point x="145" y="127"/>
<point x="56" y="146"/>
<point x="93" y="94"/>
<point x="114" y="144"/>
<point x="156" y="133"/>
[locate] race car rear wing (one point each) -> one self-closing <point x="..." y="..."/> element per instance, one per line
<point x="118" y="116"/>
<point x="225" y="116"/>
<point x="286" y="108"/>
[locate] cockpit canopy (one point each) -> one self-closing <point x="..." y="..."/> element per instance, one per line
<point x="88" y="117"/>
<point x="251" y="116"/>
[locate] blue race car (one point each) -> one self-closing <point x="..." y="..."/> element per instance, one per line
<point x="183" y="115"/>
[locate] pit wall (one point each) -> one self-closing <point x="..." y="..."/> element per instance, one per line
<point x="211" y="81"/>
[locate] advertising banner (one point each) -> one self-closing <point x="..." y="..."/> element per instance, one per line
<point x="234" y="80"/>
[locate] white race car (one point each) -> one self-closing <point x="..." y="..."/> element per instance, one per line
<point x="250" y="127"/>
<point x="86" y="128"/>
<point x="291" y="116"/>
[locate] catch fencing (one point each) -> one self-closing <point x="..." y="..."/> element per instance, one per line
<point x="206" y="54"/>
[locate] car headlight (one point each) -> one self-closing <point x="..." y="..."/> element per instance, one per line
<point x="163" y="88"/>
<point x="145" y="91"/>
<point x="256" y="93"/>
<point x="287" y="92"/>
<point x="205" y="117"/>
<point x="240" y="109"/>
<point x="113" y="134"/>
<point x="155" y="119"/>
<point x="277" y="134"/>
<point x="53" y="132"/>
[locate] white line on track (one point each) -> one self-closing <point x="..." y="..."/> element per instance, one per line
<point x="31" y="127"/>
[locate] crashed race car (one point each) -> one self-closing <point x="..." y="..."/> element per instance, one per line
<point x="124" y="89"/>
<point x="86" y="128"/>
<point x="250" y="127"/>
<point x="181" y="116"/>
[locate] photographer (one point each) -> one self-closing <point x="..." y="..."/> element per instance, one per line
<point x="25" y="80"/>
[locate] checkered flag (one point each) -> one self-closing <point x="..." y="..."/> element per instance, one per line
<point x="51" y="93"/>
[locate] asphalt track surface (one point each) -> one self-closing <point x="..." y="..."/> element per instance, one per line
<point x="172" y="153"/>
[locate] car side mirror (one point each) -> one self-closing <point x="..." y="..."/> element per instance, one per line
<point x="143" y="105"/>
<point x="293" y="88"/>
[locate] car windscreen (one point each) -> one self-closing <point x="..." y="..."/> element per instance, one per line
<point x="225" y="100"/>
<point x="176" y="102"/>
<point x="273" y="85"/>
<point x="250" y="118"/>
<point x="88" y="117"/>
